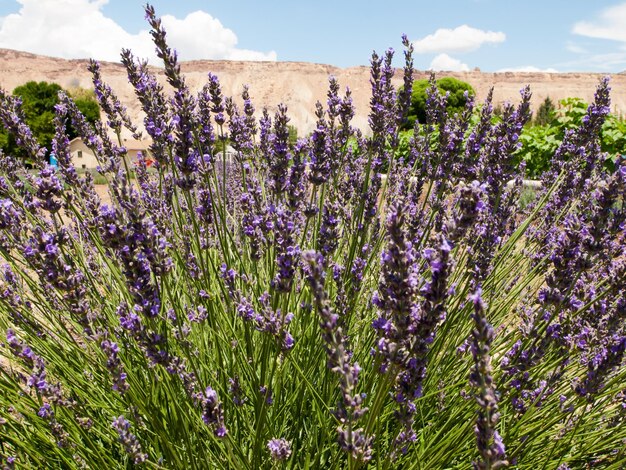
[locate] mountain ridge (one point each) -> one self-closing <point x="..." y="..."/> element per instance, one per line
<point x="299" y="84"/>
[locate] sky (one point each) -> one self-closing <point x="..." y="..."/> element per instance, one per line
<point x="493" y="35"/>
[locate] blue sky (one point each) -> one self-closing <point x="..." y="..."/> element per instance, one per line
<point x="494" y="35"/>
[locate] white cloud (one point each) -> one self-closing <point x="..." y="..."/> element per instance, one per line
<point x="200" y="36"/>
<point x="610" y="24"/>
<point x="443" y="62"/>
<point x="461" y="39"/>
<point x="528" y="68"/>
<point x="79" y="29"/>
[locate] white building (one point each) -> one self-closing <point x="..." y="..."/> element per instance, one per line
<point x="83" y="157"/>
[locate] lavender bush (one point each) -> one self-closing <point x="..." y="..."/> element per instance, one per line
<point x="297" y="308"/>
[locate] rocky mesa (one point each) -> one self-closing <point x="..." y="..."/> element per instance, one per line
<point x="298" y="84"/>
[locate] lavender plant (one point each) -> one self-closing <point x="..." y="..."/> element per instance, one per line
<point x="318" y="304"/>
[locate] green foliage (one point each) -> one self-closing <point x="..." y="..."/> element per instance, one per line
<point x="86" y="102"/>
<point x="404" y="144"/>
<point x="38" y="101"/>
<point x="293" y="134"/>
<point x="614" y="136"/>
<point x="5" y="139"/>
<point x="538" y="145"/>
<point x="545" y="113"/>
<point x="539" y="142"/>
<point x="527" y="196"/>
<point x="77" y="93"/>
<point x="570" y="113"/>
<point x="456" y="99"/>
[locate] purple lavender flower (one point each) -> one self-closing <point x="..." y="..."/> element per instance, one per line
<point x="267" y="320"/>
<point x="32" y="361"/>
<point x="234" y="388"/>
<point x="46" y="411"/>
<point x="216" y="99"/>
<point x="279" y="156"/>
<point x="212" y="413"/>
<point x="9" y="463"/>
<point x="296" y="185"/>
<point x="157" y="121"/>
<point x="109" y="103"/>
<point x="577" y="157"/>
<point x="407" y="324"/>
<point x="128" y="440"/>
<point x="11" y="217"/>
<point x="352" y="440"/>
<point x="12" y="117"/>
<point x="280" y="449"/>
<point x="186" y="156"/>
<point x="114" y="365"/>
<point x="242" y="126"/>
<point x="37" y="380"/>
<point x="606" y="358"/>
<point x="329" y="231"/>
<point x="287" y="251"/>
<point x="319" y="148"/>
<point x="490" y="445"/>
<point x="254" y="221"/>
<point x="404" y="95"/>
<point x="267" y="394"/>
<point x="49" y="190"/>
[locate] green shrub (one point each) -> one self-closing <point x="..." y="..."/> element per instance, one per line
<point x="456" y="99"/>
<point x="539" y="142"/>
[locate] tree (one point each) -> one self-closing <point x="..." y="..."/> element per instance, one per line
<point x="38" y="101"/>
<point x="86" y="102"/>
<point x="89" y="108"/>
<point x="545" y="113"/>
<point x="456" y="98"/>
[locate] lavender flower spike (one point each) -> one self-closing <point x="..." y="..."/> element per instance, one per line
<point x="490" y="445"/>
<point x="129" y="440"/>
<point x="350" y="409"/>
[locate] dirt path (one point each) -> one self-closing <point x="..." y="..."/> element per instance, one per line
<point x="103" y="192"/>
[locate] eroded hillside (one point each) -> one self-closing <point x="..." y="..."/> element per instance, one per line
<point x="298" y="84"/>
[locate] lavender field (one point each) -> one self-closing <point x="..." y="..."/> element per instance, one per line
<point x="327" y="303"/>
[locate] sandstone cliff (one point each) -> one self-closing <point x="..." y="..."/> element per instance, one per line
<point x="299" y="84"/>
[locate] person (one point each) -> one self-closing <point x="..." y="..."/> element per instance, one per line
<point x="54" y="163"/>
